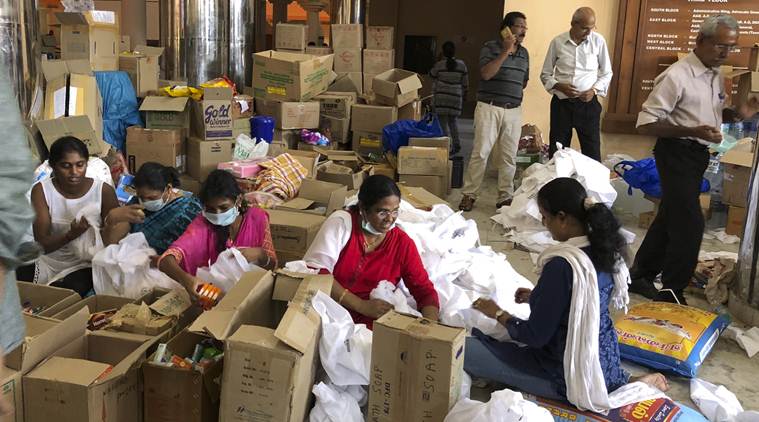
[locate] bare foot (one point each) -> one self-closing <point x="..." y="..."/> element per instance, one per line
<point x="656" y="380"/>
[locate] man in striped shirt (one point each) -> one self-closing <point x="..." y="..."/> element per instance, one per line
<point x="504" y="71"/>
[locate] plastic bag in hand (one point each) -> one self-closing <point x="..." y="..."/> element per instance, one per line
<point x="90" y="242"/>
<point x="345" y="348"/>
<point x="504" y="406"/>
<point x="387" y="292"/>
<point x="124" y="269"/>
<point x="333" y="404"/>
<point x="227" y="270"/>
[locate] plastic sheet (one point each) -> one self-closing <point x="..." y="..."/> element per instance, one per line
<point x="119" y="106"/>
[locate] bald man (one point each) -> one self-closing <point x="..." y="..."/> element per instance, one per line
<point x="576" y="71"/>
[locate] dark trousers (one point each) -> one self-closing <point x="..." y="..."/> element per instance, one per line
<point x="450" y="126"/>
<point x="585" y="118"/>
<point x="674" y="239"/>
<point x="79" y="281"/>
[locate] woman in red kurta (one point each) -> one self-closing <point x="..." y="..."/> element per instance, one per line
<point x="362" y="247"/>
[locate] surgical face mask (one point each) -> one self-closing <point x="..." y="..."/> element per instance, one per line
<point x="223" y="219"/>
<point x="367" y="226"/>
<point x="154" y="205"/>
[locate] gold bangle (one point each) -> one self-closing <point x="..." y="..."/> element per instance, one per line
<point x="340" y="300"/>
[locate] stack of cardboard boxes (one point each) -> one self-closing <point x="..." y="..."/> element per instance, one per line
<point x="379" y="55"/>
<point x="348" y="45"/>
<point x="290" y="38"/>
<point x="142" y="65"/>
<point x="737" y="165"/>
<point x="424" y="163"/>
<point x="335" y="115"/>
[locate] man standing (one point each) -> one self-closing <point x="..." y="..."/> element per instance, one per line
<point x="577" y="70"/>
<point x="684" y="111"/>
<point x="504" y="71"/>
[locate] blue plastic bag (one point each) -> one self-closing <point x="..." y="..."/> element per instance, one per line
<point x="119" y="106"/>
<point x="396" y="135"/>
<point x="643" y="175"/>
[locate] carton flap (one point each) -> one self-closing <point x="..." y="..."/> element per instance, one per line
<point x="298" y="204"/>
<point x="740" y="155"/>
<point x="79" y="67"/>
<point x="70" y="18"/>
<point x="301" y="324"/>
<point x="37" y="348"/>
<point x="221" y="321"/>
<point x="132" y="360"/>
<point x="53" y="129"/>
<point x="318" y="190"/>
<point x="334" y="155"/>
<point x="409" y="83"/>
<point x="173" y="303"/>
<point x="149" y="51"/>
<point x="154" y="103"/>
<point x="54" y="69"/>
<point x="72" y="371"/>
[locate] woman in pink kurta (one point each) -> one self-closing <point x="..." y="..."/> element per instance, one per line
<point x="226" y="222"/>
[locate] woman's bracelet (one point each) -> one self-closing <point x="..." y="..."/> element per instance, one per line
<point x="342" y="295"/>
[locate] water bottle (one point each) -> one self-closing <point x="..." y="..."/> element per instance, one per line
<point x="714" y="174"/>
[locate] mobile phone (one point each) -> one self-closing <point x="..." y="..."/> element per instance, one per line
<point x="506" y="32"/>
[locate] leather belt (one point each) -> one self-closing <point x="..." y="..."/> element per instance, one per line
<point x="502" y="104"/>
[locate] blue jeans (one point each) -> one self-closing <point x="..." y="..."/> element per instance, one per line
<point x="517" y="368"/>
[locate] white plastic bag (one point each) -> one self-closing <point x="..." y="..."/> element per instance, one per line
<point x="387" y="292"/>
<point x="345" y="348"/>
<point x="718" y="403"/>
<point x="504" y="406"/>
<point x="90" y="242"/>
<point x="334" y="404"/>
<point x="124" y="269"/>
<point x="227" y="270"/>
<point x="247" y="148"/>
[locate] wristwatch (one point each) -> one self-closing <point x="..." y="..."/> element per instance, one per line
<point x="499" y="314"/>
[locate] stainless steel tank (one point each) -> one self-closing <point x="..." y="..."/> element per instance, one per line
<point x="206" y="34"/>
<point x="19" y="50"/>
<point x="747" y="286"/>
<point x="348" y="11"/>
<point x="241" y="42"/>
<point x="172" y="38"/>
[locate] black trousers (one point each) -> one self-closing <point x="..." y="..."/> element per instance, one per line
<point x="585" y="118"/>
<point x="79" y="281"/>
<point x="673" y="241"/>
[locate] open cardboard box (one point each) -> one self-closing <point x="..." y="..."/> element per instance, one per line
<point x="93" y="36"/>
<point x="96" y="303"/>
<point x="282" y="361"/>
<point x="77" y="126"/>
<point x="396" y="87"/>
<point x="290" y="76"/>
<point x="292" y="233"/>
<point x="94" y="378"/>
<point x="308" y="159"/>
<point x="188" y="395"/>
<point x="52" y="299"/>
<point x="143" y="67"/>
<point x="317" y="197"/>
<point x="344" y="168"/>
<point x="166" y="112"/>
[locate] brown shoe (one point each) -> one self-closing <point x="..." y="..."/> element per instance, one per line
<point x="467" y="203"/>
<point x="504" y="203"/>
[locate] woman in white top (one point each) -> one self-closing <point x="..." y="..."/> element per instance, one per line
<point x="57" y="202"/>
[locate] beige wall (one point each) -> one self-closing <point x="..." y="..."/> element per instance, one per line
<point x="546" y="19"/>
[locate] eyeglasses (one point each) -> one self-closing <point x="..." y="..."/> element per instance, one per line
<point x="382" y="213"/>
<point x="726" y="47"/>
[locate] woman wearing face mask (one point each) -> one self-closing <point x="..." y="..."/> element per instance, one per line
<point x="56" y="202"/>
<point x="226" y="222"/>
<point x="161" y="211"/>
<point x="362" y="246"/>
<point x="567" y="349"/>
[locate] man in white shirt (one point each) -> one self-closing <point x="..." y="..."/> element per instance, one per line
<point x="684" y="111"/>
<point x="577" y="70"/>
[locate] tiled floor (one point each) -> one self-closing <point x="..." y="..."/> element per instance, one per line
<point x="727" y="364"/>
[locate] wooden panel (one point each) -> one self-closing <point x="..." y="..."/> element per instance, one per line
<point x="650" y="34"/>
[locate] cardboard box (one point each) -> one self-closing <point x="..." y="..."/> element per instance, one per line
<point x="748" y="87"/>
<point x="378" y="61"/>
<point x="368" y="78"/>
<point x="372" y="118"/>
<point x="242" y="107"/>
<point x="189" y="184"/>
<point x="288" y="138"/>
<point x="380" y="37"/>
<point x="290" y="76"/>
<point x="335" y="105"/>
<point x="163" y="146"/>
<point x="51" y="299"/>
<point x="342" y="175"/>
<point x="290" y="37"/>
<point x="347" y="36"/>
<point x="308" y="159"/>
<point x="356" y="80"/>
<point x="416" y="369"/>
<point x="396" y="87"/>
<point x="72" y="90"/>
<point x="213" y="116"/>
<point x="347" y="60"/>
<point x="241" y="125"/>
<point x="305" y="146"/>
<point x="203" y="157"/>
<point x="43" y="337"/>
<point x="95" y="378"/>
<point x="411" y="111"/>
<point x="317" y="197"/>
<point x="737" y="164"/>
<point x="318" y="51"/>
<point x="93" y="36"/>
<point x="423" y="161"/>
<point x="282" y="362"/>
<point x="93" y="304"/>
<point x="437" y="185"/>
<point x="291" y="115"/>
<point x="287" y="283"/>
<point x="77" y="126"/>
<point x="383" y="169"/>
<point x="420" y="198"/>
<point x="365" y="143"/>
<point x="12" y="393"/>
<point x="166" y="112"/>
<point x="142" y="66"/>
<point x="736" y="221"/>
<point x="439" y="142"/>
<point x="293" y="232"/>
<point x="336" y="129"/>
<point x="645" y="219"/>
